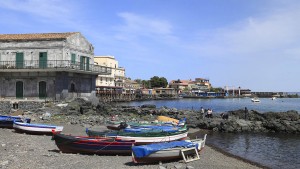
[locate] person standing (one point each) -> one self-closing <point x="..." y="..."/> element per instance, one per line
<point x="202" y="112"/>
<point x="246" y="113"/>
<point x="209" y="113"/>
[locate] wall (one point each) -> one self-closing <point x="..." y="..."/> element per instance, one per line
<point x="30" y="84"/>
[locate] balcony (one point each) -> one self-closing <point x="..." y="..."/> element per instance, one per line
<point x="52" y="65"/>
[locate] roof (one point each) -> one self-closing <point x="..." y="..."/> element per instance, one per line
<point x="35" y="36"/>
<point x="182" y="82"/>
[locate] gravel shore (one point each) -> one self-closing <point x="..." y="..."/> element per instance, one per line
<point x="34" y="151"/>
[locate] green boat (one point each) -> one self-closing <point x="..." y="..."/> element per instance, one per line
<point x="146" y="137"/>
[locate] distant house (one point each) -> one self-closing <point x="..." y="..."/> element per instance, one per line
<point x="165" y="92"/>
<point x="47" y="65"/>
<point x="179" y="85"/>
<point x="203" y="84"/>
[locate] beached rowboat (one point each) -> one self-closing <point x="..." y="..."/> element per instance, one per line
<point x="142" y="138"/>
<point x="167" y="151"/>
<point x="36" y="128"/>
<point x="8" y="121"/>
<point x="92" y="145"/>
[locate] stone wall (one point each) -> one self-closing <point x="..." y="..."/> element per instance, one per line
<point x="5" y="107"/>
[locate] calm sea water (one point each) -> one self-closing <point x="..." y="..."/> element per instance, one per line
<point x="276" y="151"/>
<point x="222" y="105"/>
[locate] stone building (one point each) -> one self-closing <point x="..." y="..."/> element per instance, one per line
<point x="111" y="83"/>
<point x="47" y="66"/>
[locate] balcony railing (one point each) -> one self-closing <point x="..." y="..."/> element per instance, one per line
<point x="54" y="64"/>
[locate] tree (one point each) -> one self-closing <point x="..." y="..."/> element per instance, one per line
<point x="145" y="84"/>
<point x="139" y="81"/>
<point x="156" y="81"/>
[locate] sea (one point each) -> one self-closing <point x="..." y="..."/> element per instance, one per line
<point x="273" y="150"/>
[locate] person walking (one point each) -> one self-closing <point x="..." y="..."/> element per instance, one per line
<point x="246" y="113"/>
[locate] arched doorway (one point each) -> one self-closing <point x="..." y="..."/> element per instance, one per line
<point x="42" y="90"/>
<point x="19" y="89"/>
<point x="72" y="88"/>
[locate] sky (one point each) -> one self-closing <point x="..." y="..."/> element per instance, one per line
<point x="237" y="43"/>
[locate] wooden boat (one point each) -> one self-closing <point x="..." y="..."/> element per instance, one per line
<point x="168" y="151"/>
<point x="133" y="124"/>
<point x="142" y="138"/>
<point x="113" y="125"/>
<point x="36" y="128"/>
<point x="8" y="121"/>
<point x="92" y="145"/>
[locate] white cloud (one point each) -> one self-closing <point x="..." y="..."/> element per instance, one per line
<point x="258" y="52"/>
<point x="136" y="26"/>
<point x="275" y="33"/>
<point x="47" y="9"/>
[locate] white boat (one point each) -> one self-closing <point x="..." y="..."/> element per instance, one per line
<point x="167" y="151"/>
<point x="273" y="98"/>
<point x="149" y="140"/>
<point x="256" y="100"/>
<point x="36" y="128"/>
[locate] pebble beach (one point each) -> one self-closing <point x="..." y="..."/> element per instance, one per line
<point x="39" y="151"/>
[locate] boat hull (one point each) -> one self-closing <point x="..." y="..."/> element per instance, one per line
<point x="163" y="155"/>
<point x="36" y="128"/>
<point x="8" y="121"/>
<point x="89" y="145"/>
<point x="150" y="140"/>
<point x="170" y="154"/>
<point x="142" y="138"/>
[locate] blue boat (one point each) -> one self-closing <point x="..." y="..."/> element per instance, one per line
<point x="153" y="129"/>
<point x="8" y="121"/>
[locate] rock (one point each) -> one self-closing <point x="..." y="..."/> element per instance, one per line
<point x="161" y="167"/>
<point x="3" y="163"/>
<point x="189" y="167"/>
<point x="46" y="116"/>
<point x="18" y="113"/>
<point x="178" y="166"/>
<point x="3" y="145"/>
<point x="152" y="106"/>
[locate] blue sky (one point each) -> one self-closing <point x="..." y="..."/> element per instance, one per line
<point x="253" y="44"/>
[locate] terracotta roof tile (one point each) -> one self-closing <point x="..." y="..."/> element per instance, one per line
<point x="36" y="36"/>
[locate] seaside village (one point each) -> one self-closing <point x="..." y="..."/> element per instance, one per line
<point x="56" y="67"/>
<point x="53" y="67"/>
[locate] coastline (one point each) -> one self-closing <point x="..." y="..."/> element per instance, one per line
<point x="34" y="151"/>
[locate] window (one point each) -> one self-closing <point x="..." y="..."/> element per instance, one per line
<point x="43" y="60"/>
<point x="73" y="58"/>
<point x="19" y="60"/>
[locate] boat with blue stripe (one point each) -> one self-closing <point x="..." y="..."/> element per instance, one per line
<point x="36" y="128"/>
<point x="8" y="121"/>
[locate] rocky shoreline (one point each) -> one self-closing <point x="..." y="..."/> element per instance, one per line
<point x="40" y="152"/>
<point x="85" y="113"/>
